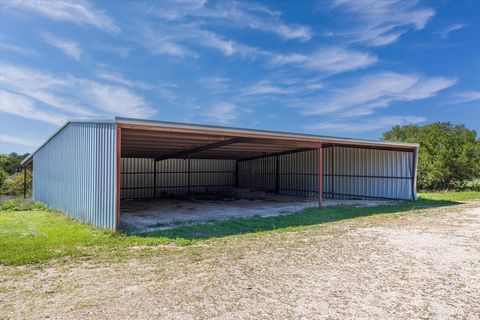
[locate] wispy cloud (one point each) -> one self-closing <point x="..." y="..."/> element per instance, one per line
<point x="182" y="41"/>
<point x="73" y="95"/>
<point x="363" y="126"/>
<point x="17" y="49"/>
<point x="116" y="77"/>
<point x="70" y="48"/>
<point x="120" y="51"/>
<point x="112" y="99"/>
<point x="451" y="28"/>
<point x="6" y="138"/>
<point x="465" y="96"/>
<point x="282" y="88"/>
<point x="215" y="84"/>
<point x="376" y="91"/>
<point x="223" y="113"/>
<point x="162" y="42"/>
<point x="79" y="12"/>
<point x="379" y="23"/>
<point x="234" y="14"/>
<point x="328" y="60"/>
<point x="24" y="107"/>
<point x="42" y="87"/>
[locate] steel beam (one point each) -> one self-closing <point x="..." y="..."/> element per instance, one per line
<point x="276" y="154"/>
<point x="320" y="175"/>
<point x="24" y="182"/>
<point x="119" y="175"/>
<point x="199" y="149"/>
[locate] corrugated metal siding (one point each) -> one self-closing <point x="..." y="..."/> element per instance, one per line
<point x="372" y="173"/>
<point x="173" y="177"/>
<point x="357" y="173"/>
<point x="75" y="172"/>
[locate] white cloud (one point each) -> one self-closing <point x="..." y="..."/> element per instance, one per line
<point x="79" y="12"/>
<point x="161" y="42"/>
<point x="78" y="96"/>
<point x="215" y="84"/>
<point x="17" y="49"/>
<point x="281" y="88"/>
<point x="466" y="96"/>
<point x="365" y="125"/>
<point x="120" y="51"/>
<point x="118" y="78"/>
<point x="376" y="91"/>
<point x="6" y="138"/>
<point x="227" y="47"/>
<point x="70" y="48"/>
<point x="222" y="113"/>
<point x="113" y="99"/>
<point x="329" y="60"/>
<point x="451" y="28"/>
<point x="24" y="107"/>
<point x="235" y="14"/>
<point x="41" y="86"/>
<point x="179" y="41"/>
<point x="379" y="23"/>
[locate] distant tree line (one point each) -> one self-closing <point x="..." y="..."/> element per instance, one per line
<point x="11" y="177"/>
<point x="449" y="155"/>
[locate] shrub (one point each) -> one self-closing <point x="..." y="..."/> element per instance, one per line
<point x="13" y="185"/>
<point x="473" y="185"/>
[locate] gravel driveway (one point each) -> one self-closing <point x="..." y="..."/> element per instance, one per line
<point x="418" y="264"/>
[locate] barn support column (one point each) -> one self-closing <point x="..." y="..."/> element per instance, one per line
<point x="277" y="175"/>
<point x="188" y="175"/>
<point x="413" y="179"/>
<point x="236" y="173"/>
<point x="332" y="181"/>
<point x="24" y="182"/>
<point x="119" y="175"/>
<point x="320" y="175"/>
<point x="154" y="179"/>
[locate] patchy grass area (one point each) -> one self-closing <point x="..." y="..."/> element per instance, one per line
<point x="30" y="233"/>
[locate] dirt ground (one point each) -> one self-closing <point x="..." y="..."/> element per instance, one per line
<point x="423" y="265"/>
<point x="147" y="215"/>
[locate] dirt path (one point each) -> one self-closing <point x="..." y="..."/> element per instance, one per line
<point x="415" y="265"/>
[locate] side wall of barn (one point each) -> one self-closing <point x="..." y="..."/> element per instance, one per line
<point x="75" y="172"/>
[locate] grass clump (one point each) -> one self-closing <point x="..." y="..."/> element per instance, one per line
<point x="20" y="204"/>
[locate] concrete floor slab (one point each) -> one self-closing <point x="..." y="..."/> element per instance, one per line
<point x="153" y="214"/>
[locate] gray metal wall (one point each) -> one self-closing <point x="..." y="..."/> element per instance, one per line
<point x="174" y="177"/>
<point x="75" y="172"/>
<point x="347" y="173"/>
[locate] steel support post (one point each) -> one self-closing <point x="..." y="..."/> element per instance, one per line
<point x="320" y="175"/>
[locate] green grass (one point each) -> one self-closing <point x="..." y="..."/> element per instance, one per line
<point x="34" y="235"/>
<point x="451" y="196"/>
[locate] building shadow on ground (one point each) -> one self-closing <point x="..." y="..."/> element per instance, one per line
<point x="306" y="217"/>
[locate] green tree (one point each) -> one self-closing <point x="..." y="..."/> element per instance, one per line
<point x="11" y="162"/>
<point x="13" y="185"/>
<point x="449" y="154"/>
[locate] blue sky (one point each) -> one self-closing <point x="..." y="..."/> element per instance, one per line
<point x="347" y="68"/>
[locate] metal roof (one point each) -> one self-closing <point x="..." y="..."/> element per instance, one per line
<point x="161" y="139"/>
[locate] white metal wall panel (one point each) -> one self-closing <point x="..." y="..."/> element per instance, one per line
<point x="75" y="172"/>
<point x="373" y="173"/>
<point x="175" y="177"/>
<point x="347" y="173"/>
